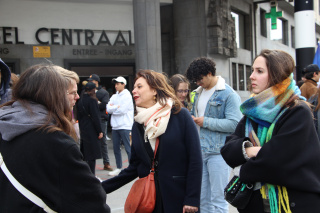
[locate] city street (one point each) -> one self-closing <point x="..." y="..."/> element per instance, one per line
<point x="117" y="198"/>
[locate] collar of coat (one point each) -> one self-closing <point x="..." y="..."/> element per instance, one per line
<point x="221" y="85"/>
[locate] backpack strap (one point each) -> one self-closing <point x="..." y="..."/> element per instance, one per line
<point x="32" y="197"/>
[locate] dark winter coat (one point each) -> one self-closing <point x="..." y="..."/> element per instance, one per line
<point x="89" y="126"/>
<point x="5" y="96"/>
<point x="291" y="158"/>
<point x="103" y="96"/>
<point x="179" y="164"/>
<point x="50" y="165"/>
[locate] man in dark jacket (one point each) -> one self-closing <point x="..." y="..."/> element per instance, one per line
<point x="5" y="75"/>
<point x="103" y="97"/>
<point x="312" y="75"/>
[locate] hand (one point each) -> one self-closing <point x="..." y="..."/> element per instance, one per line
<point x="187" y="209"/>
<point x="100" y="135"/>
<point x="198" y="120"/>
<point x="252" y="151"/>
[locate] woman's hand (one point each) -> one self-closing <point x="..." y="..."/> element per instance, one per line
<point x="187" y="209"/>
<point x="100" y="135"/>
<point x="252" y="151"/>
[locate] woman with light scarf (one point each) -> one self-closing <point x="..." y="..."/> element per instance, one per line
<point x="178" y="162"/>
<point x="275" y="143"/>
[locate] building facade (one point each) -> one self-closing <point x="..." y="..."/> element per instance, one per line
<point x="119" y="37"/>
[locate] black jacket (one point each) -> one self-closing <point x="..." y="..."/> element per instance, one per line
<point x="50" y="165"/>
<point x="103" y="97"/>
<point x="291" y="158"/>
<point x="89" y="126"/>
<point x="179" y="169"/>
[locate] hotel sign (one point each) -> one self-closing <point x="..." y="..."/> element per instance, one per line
<point x="56" y="36"/>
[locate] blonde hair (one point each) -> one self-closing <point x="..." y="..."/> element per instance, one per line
<point x="68" y="74"/>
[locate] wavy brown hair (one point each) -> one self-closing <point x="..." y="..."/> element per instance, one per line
<point x="42" y="84"/>
<point x="159" y="82"/>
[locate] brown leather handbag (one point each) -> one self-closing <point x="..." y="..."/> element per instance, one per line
<point x="142" y="195"/>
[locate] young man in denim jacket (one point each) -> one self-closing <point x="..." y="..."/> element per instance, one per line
<point x="216" y="111"/>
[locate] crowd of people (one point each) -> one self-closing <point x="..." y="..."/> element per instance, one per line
<point x="51" y="138"/>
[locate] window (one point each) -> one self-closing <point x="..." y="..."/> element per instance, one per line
<point x="234" y="76"/>
<point x="285" y="31"/>
<point x="248" y="73"/>
<point x="293" y="42"/>
<point x="263" y="23"/>
<point x="240" y="76"/>
<point x="281" y="33"/>
<point x="242" y="27"/>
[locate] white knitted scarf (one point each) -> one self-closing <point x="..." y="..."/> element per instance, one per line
<point x="155" y="118"/>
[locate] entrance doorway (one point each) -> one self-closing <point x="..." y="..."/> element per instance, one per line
<point x="106" y="71"/>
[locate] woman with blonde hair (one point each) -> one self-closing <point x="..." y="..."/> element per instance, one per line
<point x="38" y="149"/>
<point x="161" y="120"/>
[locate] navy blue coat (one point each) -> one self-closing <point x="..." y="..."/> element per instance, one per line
<point x="179" y="169"/>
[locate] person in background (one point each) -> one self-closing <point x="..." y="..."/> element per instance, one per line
<point x="275" y="143"/>
<point x="178" y="163"/>
<point x="72" y="94"/>
<point x="73" y="79"/>
<point x="216" y="112"/>
<point x="89" y="124"/>
<point x="312" y="75"/>
<point x="103" y="99"/>
<point x="38" y="148"/>
<point x="314" y="100"/>
<point x="14" y="79"/>
<point x="181" y="87"/>
<point x="5" y="75"/>
<point x="120" y="107"/>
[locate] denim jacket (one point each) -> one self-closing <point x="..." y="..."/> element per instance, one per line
<point x="221" y="116"/>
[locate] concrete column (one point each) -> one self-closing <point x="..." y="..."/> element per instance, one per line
<point x="189" y="32"/>
<point x="147" y="34"/>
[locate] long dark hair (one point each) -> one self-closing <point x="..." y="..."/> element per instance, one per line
<point x="159" y="82"/>
<point x="42" y="84"/>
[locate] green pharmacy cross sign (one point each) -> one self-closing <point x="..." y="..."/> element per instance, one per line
<point x="274" y="15"/>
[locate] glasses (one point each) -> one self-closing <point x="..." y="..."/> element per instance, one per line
<point x="183" y="91"/>
<point x="72" y="93"/>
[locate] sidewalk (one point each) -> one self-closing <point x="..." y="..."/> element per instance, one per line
<point x="117" y="198"/>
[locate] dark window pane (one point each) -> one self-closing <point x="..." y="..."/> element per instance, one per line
<point x="234" y="77"/>
<point x="241" y="77"/>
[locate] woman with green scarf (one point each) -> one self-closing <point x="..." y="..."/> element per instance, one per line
<point x="276" y="143"/>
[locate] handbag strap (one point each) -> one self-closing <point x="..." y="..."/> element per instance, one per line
<point x="32" y="197"/>
<point x="155" y="152"/>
